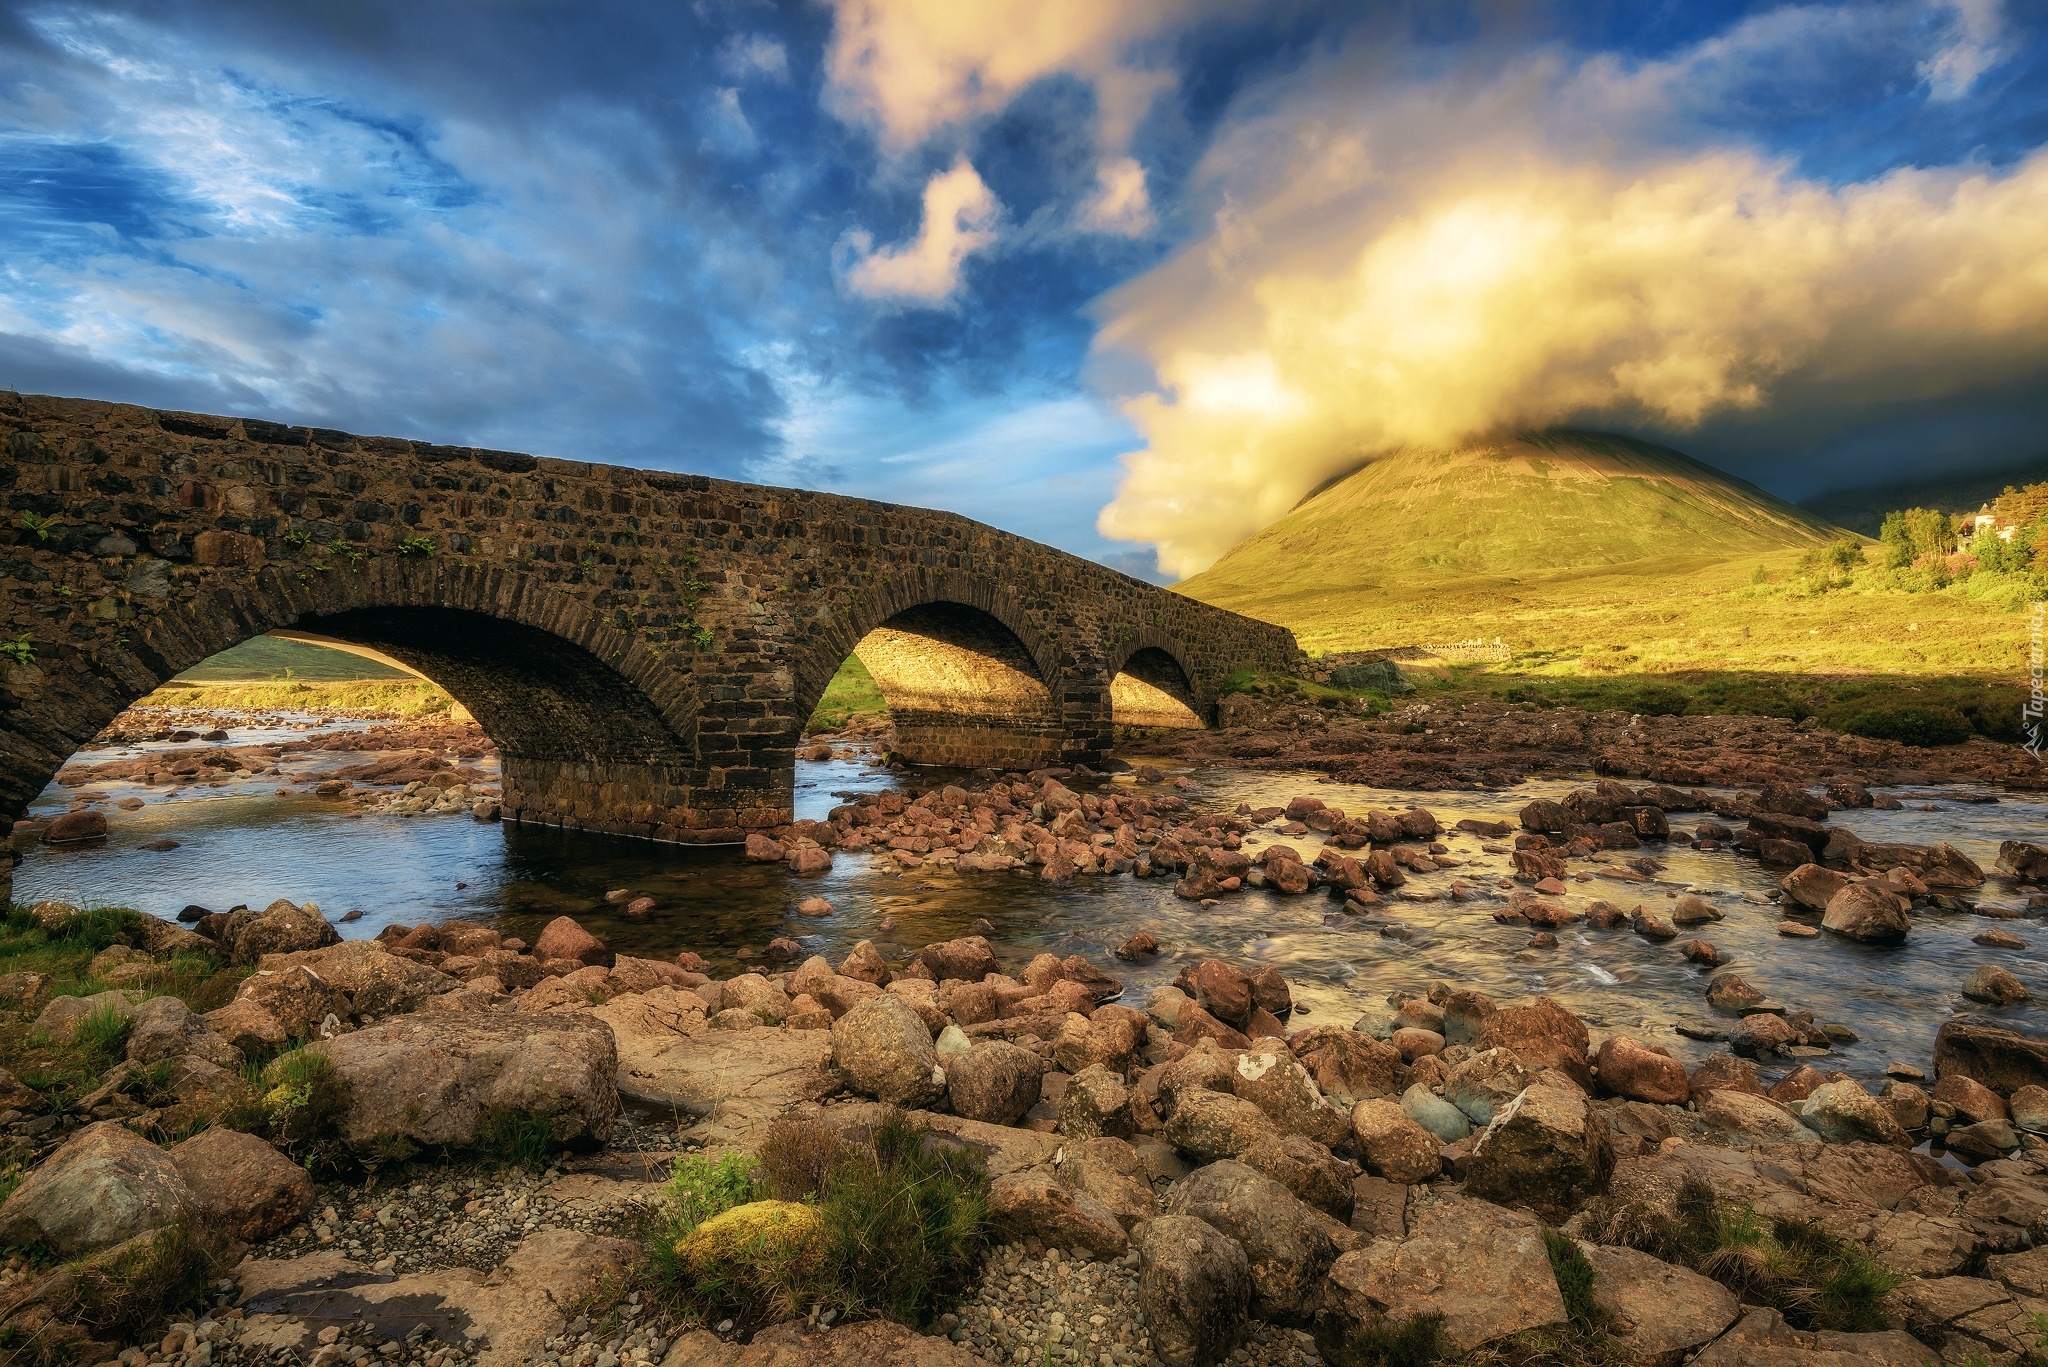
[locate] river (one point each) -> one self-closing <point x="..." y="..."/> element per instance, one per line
<point x="243" y="842"/>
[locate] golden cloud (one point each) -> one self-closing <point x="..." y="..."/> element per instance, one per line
<point x="1346" y="308"/>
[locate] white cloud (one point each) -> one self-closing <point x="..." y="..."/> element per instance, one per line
<point x="1434" y="264"/>
<point x="1121" y="204"/>
<point x="1970" y="48"/>
<point x="960" y="216"/>
<point x="746" y="55"/>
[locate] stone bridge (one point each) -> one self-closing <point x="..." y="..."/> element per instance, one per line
<point x="644" y="647"/>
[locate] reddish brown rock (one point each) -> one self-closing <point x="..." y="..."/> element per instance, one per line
<point x="1637" y="1071"/>
<point x="562" y="938"/>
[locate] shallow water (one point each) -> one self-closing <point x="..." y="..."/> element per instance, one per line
<point x="243" y="844"/>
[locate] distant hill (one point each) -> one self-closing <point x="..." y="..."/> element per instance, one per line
<point x="269" y="657"/>
<point x="1549" y="501"/>
<point x="1863" y="510"/>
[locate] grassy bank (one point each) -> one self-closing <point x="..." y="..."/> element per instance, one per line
<point x="405" y="698"/>
<point x="852" y="693"/>
<point x="1914" y="710"/>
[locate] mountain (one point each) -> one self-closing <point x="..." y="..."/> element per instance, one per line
<point x="1863" y="510"/>
<point x="1542" y="502"/>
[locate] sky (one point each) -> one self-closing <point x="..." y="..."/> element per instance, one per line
<point x="1129" y="278"/>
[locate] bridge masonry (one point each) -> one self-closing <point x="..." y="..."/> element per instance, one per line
<point x="644" y="647"/>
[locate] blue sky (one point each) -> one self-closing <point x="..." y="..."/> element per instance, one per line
<point x="1126" y="278"/>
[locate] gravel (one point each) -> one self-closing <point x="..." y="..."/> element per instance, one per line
<point x="1057" y="1309"/>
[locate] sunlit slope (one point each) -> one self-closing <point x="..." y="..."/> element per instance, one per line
<point x="1550" y="501"/>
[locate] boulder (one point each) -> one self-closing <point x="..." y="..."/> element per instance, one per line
<point x="969" y="959"/>
<point x="1999" y="1058"/>
<point x="1206" y="1067"/>
<point x="1973" y="1101"/>
<point x="864" y="962"/>
<point x="297" y="998"/>
<point x="1751" y="1117"/>
<point x="1812" y="886"/>
<point x="1465" y="1015"/>
<point x="882" y="1049"/>
<point x="435" y="1080"/>
<point x="1542" y="1035"/>
<point x="249" y="1027"/>
<point x="1867" y="912"/>
<point x="1724" y="1073"/>
<point x="2030" y="1110"/>
<point x="1482" y="1269"/>
<point x="1111" y="1171"/>
<point x="1691" y="910"/>
<point x="2024" y="860"/>
<point x="72" y="827"/>
<point x="1481" y="1083"/>
<point x="1547" y="1150"/>
<point x="1111" y="1038"/>
<point x="1285" y="1246"/>
<point x="103" y="1185"/>
<point x="59" y="1020"/>
<point x="1307" y="1169"/>
<point x="1220" y="989"/>
<point x="1731" y="993"/>
<point x="1641" y="1073"/>
<point x="993" y="1081"/>
<point x="1433" y="1113"/>
<point x="280" y="928"/>
<point x="378" y="982"/>
<point x="736" y="1083"/>
<point x="1992" y="984"/>
<point x="1391" y="1144"/>
<point x="1844" y="1113"/>
<point x="1347" y="1065"/>
<point x="1023" y="1205"/>
<point x="1193" y="1023"/>
<point x="1276" y="1082"/>
<point x="1656" y="1311"/>
<point x="1909" y="1105"/>
<point x="240" y="1185"/>
<point x="755" y="995"/>
<point x="164" y="1027"/>
<point x="1194" y="1291"/>
<point x="1207" y="1126"/>
<point x="1096" y="1103"/>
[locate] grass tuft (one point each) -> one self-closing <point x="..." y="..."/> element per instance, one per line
<point x="1413" y="1341"/>
<point x="797" y="1155"/>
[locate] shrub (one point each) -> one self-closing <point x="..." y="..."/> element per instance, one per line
<point x="1416" y="1341"/>
<point x="1813" y="1278"/>
<point x="1574" y="1277"/>
<point x="1907" y="723"/>
<point x="907" y="1220"/>
<point x="127" y="1293"/>
<point x="698" y="1189"/>
<point x="797" y="1154"/>
<point x="301" y="1099"/>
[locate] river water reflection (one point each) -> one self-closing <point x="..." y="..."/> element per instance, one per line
<point x="243" y="843"/>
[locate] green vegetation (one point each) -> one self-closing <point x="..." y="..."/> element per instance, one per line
<point x="416" y="547"/>
<point x="1811" y="1276"/>
<point x="1608" y="567"/>
<point x="121" y="1295"/>
<point x="403" y="699"/>
<point x="277" y="658"/>
<point x="852" y="693"/>
<point x="889" y="1222"/>
<point x="516" y="1139"/>
<point x="1412" y="1341"/>
<point x="21" y="650"/>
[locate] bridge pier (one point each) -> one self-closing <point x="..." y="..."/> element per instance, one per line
<point x="644" y="647"/>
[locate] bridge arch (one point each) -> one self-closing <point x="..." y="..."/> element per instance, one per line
<point x="1152" y="688"/>
<point x="970" y="680"/>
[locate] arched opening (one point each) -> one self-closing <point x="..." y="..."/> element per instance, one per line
<point x="960" y="688"/>
<point x="1152" y="692"/>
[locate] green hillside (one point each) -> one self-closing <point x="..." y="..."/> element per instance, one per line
<point x="1544" y="501"/>
<point x="270" y="657"/>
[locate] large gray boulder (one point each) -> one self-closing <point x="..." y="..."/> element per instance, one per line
<point x="240" y="1185"/>
<point x="280" y="928"/>
<point x="378" y="982"/>
<point x="1845" y="1113"/>
<point x="1276" y="1082"/>
<point x="1868" y="912"/>
<point x="105" y="1184"/>
<point x="1194" y="1291"/>
<point x="164" y="1027"/>
<point x="1482" y="1268"/>
<point x="994" y="1081"/>
<point x="1482" y="1083"/>
<point x="1548" y="1151"/>
<point x="1023" y="1205"/>
<point x="882" y="1049"/>
<point x="1284" y="1243"/>
<point x="435" y="1079"/>
<point x="1657" y="1311"/>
